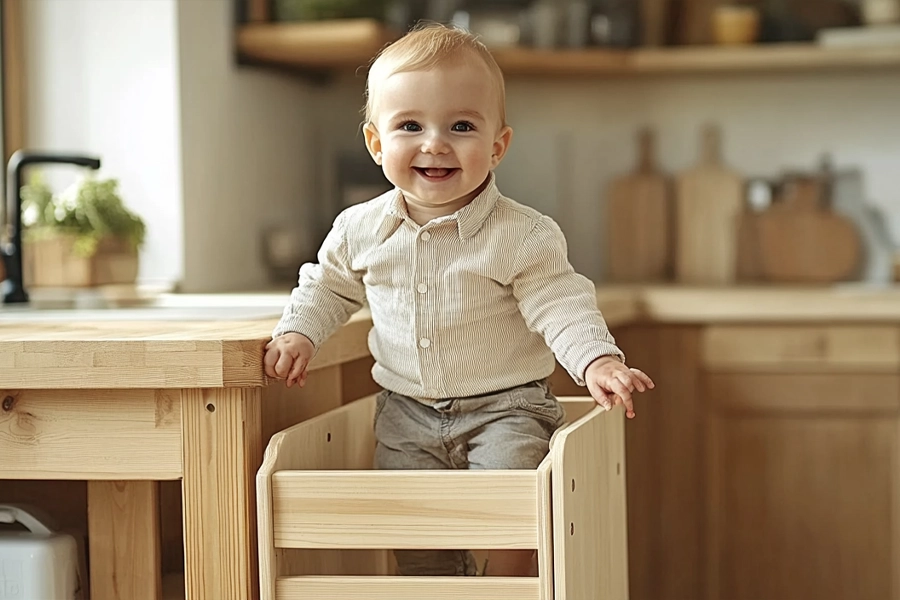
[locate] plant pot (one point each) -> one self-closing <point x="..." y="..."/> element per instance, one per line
<point x="51" y="262"/>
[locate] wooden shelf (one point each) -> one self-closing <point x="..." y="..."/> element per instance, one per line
<point x="324" y="45"/>
<point x="350" y="44"/>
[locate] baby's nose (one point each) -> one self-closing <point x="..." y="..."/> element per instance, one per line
<point x="434" y="143"/>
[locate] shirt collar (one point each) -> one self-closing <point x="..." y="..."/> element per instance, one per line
<point x="469" y="219"/>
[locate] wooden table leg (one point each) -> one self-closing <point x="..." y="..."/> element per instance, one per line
<point x="123" y="535"/>
<point x="222" y="453"/>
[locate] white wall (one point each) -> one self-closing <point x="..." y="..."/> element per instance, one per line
<point x="572" y="136"/>
<point x="247" y="153"/>
<point x="212" y="154"/>
<point x="209" y="154"/>
<point x="101" y="80"/>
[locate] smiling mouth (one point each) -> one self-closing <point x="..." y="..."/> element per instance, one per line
<point x="435" y="174"/>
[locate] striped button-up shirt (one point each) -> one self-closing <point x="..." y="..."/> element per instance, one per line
<point x="467" y="304"/>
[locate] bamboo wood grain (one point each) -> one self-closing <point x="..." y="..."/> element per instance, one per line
<point x="77" y="434"/>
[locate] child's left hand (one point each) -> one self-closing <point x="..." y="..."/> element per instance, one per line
<point x="610" y="383"/>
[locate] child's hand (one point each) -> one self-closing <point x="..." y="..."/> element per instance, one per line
<point x="610" y="383"/>
<point x="287" y="357"/>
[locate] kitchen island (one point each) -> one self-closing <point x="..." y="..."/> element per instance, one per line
<point x="768" y="402"/>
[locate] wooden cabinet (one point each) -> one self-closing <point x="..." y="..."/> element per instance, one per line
<point x="766" y="464"/>
<point x="802" y="485"/>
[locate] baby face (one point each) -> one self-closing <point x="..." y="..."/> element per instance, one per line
<point x="437" y="133"/>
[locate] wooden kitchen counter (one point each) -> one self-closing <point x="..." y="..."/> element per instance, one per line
<point x="127" y="405"/>
<point x="185" y="354"/>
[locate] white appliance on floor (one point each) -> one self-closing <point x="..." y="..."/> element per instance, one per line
<point x="36" y="563"/>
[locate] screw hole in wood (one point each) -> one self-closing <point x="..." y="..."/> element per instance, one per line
<point x="211" y="407"/>
<point x="571" y="528"/>
<point x="329" y="437"/>
<point x="8" y="403"/>
<point x="618" y="468"/>
<point x="573" y="485"/>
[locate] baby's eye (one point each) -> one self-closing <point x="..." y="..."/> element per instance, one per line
<point x="410" y="126"/>
<point x="463" y="126"/>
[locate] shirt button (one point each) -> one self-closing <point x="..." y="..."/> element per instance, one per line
<point x="426" y="236"/>
<point x="422" y="288"/>
<point x="424" y="342"/>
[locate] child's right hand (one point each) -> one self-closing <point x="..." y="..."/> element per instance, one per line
<point x="287" y="357"/>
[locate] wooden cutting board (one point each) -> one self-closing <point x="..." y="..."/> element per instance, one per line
<point x="807" y="246"/>
<point x="709" y="199"/>
<point x="800" y="239"/>
<point x="639" y="215"/>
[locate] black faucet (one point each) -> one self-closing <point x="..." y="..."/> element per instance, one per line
<point x="13" y="289"/>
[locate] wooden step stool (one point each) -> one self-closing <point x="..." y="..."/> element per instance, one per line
<point x="327" y="521"/>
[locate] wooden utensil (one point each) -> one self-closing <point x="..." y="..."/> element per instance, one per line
<point x="800" y="240"/>
<point x="639" y="214"/>
<point x="709" y="200"/>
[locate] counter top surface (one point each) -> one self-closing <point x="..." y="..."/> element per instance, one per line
<point x="78" y="353"/>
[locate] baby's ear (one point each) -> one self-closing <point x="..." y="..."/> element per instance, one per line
<point x="373" y="142"/>
<point x="501" y="145"/>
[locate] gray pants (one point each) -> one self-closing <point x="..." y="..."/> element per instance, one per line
<point x="510" y="429"/>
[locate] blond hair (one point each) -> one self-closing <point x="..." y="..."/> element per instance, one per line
<point x="426" y="46"/>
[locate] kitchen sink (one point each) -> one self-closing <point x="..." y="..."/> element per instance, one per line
<point x="163" y="307"/>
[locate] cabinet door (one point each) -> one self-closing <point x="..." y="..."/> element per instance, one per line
<point x="803" y="442"/>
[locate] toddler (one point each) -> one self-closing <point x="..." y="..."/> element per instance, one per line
<point x="472" y="294"/>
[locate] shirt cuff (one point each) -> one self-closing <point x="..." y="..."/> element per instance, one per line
<point x="589" y="354"/>
<point x="297" y="324"/>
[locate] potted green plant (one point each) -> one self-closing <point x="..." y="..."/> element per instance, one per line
<point x="83" y="237"/>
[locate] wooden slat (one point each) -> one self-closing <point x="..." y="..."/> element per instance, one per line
<point x="408" y="588"/>
<point x="589" y="514"/>
<point x="818" y="393"/>
<point x="807" y="348"/>
<point x="222" y="452"/>
<point x="341" y="438"/>
<point x="545" y="527"/>
<point x="405" y="509"/>
<point x="101" y="434"/>
<point x="123" y="523"/>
